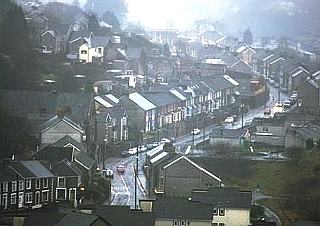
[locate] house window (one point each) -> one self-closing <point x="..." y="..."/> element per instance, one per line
<point x="215" y="211"/>
<point x="175" y="222"/>
<point x="265" y="129"/>
<point x="21" y="185"/>
<point x="13" y="198"/>
<point x="45" y="182"/>
<point x="5" y="187"/>
<point x="61" y="182"/>
<point x="99" y="50"/>
<point x="29" y="197"/>
<point x="214" y="224"/>
<point x="14" y="186"/>
<point x="4" y="200"/>
<point x="45" y="196"/>
<point x="221" y="224"/>
<point x="83" y="51"/>
<point x="61" y="194"/>
<point x="28" y="184"/>
<point x="38" y="184"/>
<point x="221" y="212"/>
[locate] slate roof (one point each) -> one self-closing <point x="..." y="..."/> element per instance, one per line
<point x="55" y="120"/>
<point x="61" y="29"/>
<point x="84" y="160"/>
<point x="116" y="113"/>
<point x="53" y="154"/>
<point x="161" y="99"/>
<point x="122" y="215"/>
<point x="107" y="101"/>
<point x="178" y="158"/>
<point x="6" y="174"/>
<point x="141" y="101"/>
<point x="228" y="133"/>
<point x="242" y="67"/>
<point x="99" y="41"/>
<point x="64" y="141"/>
<point x="217" y="84"/>
<point x="78" y="219"/>
<point x="66" y="169"/>
<point x="178" y="93"/>
<point x="262" y="54"/>
<point x="181" y="208"/>
<point x="223" y="197"/>
<point x="31" y="169"/>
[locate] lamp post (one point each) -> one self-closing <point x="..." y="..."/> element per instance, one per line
<point x="242" y="106"/>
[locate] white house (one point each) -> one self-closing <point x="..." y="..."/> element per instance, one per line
<point x="94" y="49"/>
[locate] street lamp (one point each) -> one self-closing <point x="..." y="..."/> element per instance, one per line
<point x="242" y="106"/>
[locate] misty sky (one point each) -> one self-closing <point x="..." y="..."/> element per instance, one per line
<point x="268" y="17"/>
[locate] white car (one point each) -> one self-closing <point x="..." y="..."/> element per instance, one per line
<point x="164" y="140"/>
<point x="286" y="103"/>
<point x="132" y="151"/>
<point x="195" y="131"/>
<point x="229" y="120"/>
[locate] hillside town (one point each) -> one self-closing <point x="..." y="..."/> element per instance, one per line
<point x="107" y="126"/>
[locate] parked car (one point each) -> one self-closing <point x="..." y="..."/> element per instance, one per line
<point x="195" y="131"/>
<point x="279" y="104"/>
<point x="271" y="82"/>
<point x="164" y="140"/>
<point x="267" y="111"/>
<point x="125" y="154"/>
<point x="132" y="151"/>
<point x="286" y="103"/>
<point x="108" y="173"/>
<point x="142" y="148"/>
<point x="229" y="119"/>
<point x="284" y="90"/>
<point x="276" y="85"/>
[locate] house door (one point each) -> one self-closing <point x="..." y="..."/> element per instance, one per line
<point x="20" y="200"/>
<point x="37" y="198"/>
<point x="5" y="201"/>
<point x="72" y="195"/>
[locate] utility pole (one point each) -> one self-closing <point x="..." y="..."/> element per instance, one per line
<point x="136" y="180"/>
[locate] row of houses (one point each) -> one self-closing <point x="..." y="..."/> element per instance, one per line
<point x="30" y="184"/>
<point x="60" y="167"/>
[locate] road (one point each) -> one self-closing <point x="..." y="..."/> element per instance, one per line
<point x="123" y="185"/>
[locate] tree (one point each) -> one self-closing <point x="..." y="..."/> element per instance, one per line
<point x="119" y="7"/>
<point x="17" y="51"/>
<point x="60" y="13"/>
<point x="111" y="18"/>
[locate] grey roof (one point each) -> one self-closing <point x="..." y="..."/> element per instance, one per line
<point x="99" y="41"/>
<point x="228" y="133"/>
<point x="61" y="29"/>
<point x="116" y="113"/>
<point x="122" y="215"/>
<point x="84" y="160"/>
<point x="225" y="197"/>
<point x="181" y="208"/>
<point x="55" y="120"/>
<point x="277" y="120"/>
<point x="261" y="54"/>
<point x="141" y="101"/>
<point x="241" y="67"/>
<point x="31" y="169"/>
<point x="161" y="99"/>
<point x="6" y="174"/>
<point x="77" y="219"/>
<point x="66" y="169"/>
<point x="217" y="84"/>
<point x="53" y="154"/>
<point x="69" y="140"/>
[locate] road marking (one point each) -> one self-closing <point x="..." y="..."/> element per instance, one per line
<point x="125" y="184"/>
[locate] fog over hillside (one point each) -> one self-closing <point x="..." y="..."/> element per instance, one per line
<point x="273" y="17"/>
